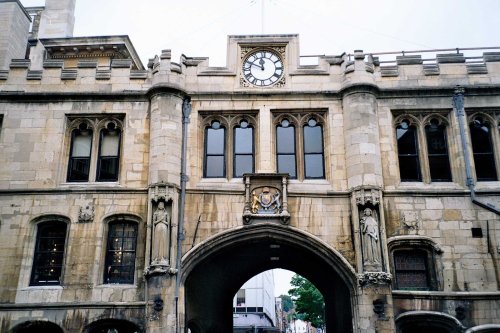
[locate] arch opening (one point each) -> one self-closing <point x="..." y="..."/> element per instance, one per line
<point x="112" y="326"/>
<point x="37" y="326"/>
<point x="216" y="269"/>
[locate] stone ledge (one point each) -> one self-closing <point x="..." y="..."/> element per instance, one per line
<point x="479" y="295"/>
<point x="69" y="305"/>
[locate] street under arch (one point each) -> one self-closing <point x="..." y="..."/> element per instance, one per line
<point x="214" y="270"/>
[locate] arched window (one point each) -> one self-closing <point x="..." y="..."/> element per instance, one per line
<point x="88" y="136"/>
<point x="414" y="262"/>
<point x="437" y="151"/>
<point x="109" y="153"/>
<point x="482" y="149"/>
<point x="120" y="252"/>
<point x="285" y="148"/>
<point x="409" y="163"/>
<point x="81" y="148"/>
<point x="243" y="149"/>
<point x="314" y="166"/>
<point x="49" y="253"/>
<point x="215" y="151"/>
<point x="37" y="326"/>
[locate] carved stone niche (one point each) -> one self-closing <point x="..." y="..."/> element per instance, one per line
<point x="266" y="197"/>
<point x="162" y="197"/>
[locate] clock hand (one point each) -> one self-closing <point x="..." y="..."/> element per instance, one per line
<point x="262" y="62"/>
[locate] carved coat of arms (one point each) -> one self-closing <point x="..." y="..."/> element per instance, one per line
<point x="266" y="200"/>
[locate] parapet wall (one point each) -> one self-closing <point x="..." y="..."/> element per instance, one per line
<point x="194" y="74"/>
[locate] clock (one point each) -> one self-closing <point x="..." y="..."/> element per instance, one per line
<point x="262" y="68"/>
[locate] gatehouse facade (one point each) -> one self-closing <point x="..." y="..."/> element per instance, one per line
<point x="140" y="198"/>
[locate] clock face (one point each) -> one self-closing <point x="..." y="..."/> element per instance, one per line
<point x="262" y="68"/>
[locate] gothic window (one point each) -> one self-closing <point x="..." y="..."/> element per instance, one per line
<point x="49" y="253"/>
<point x="120" y="252"/>
<point x="300" y="145"/>
<point x="285" y="148"/>
<point x="215" y="151"/>
<point x="422" y="143"/>
<point x="109" y="153"/>
<point x="313" y="150"/>
<point x="94" y="150"/>
<point x="409" y="164"/>
<point x="229" y="145"/>
<point x="79" y="159"/>
<point x="437" y="151"/>
<point x="482" y="149"/>
<point x="411" y="271"/>
<point x="243" y="152"/>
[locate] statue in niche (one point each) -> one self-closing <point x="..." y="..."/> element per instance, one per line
<point x="161" y="223"/>
<point x="370" y="236"/>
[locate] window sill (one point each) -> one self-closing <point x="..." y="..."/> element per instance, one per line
<point x="90" y="184"/>
<point x="116" y="285"/>
<point x="52" y="287"/>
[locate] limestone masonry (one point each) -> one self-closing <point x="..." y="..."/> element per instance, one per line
<point x="140" y="198"/>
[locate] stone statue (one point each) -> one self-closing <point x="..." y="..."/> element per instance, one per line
<point x="161" y="239"/>
<point x="370" y="236"/>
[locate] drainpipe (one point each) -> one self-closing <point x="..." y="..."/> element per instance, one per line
<point x="458" y="104"/>
<point x="186" y="111"/>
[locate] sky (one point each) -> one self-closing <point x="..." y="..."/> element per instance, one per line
<point x="199" y="28"/>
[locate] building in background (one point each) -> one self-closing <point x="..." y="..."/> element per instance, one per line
<point x="254" y="305"/>
<point x="140" y="199"/>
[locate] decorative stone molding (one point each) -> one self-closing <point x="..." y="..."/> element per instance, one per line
<point x="266" y="197"/>
<point x="415" y="241"/>
<point x="365" y="196"/>
<point x="371" y="278"/>
<point x="86" y="214"/>
<point x="162" y="192"/>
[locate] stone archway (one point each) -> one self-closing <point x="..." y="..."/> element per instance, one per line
<point x="214" y="270"/>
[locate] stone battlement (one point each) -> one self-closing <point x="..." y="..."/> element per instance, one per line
<point x="405" y="71"/>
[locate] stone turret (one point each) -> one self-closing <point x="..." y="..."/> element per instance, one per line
<point x="14" y="26"/>
<point x="58" y="19"/>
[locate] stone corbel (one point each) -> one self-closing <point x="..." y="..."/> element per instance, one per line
<point x="374" y="278"/>
<point x="162" y="192"/>
<point x="367" y="195"/>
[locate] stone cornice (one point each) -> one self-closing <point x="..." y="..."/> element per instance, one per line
<point x="79" y="190"/>
<point x="473" y="295"/>
<point x="23" y="96"/>
<point x="70" y="305"/>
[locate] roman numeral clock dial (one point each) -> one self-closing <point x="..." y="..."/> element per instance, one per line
<point x="262" y="68"/>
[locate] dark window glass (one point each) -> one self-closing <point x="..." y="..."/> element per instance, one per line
<point x="285" y="148"/>
<point x="411" y="270"/>
<point x="243" y="149"/>
<point x="409" y="166"/>
<point x="120" y="253"/>
<point x="215" y="145"/>
<point x="437" y="149"/>
<point x="313" y="150"/>
<point x="482" y="148"/>
<point x="49" y="254"/>
<point x="109" y="154"/>
<point x="79" y="157"/>
<point x="240" y="297"/>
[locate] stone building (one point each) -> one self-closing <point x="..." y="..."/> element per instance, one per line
<point x="140" y="200"/>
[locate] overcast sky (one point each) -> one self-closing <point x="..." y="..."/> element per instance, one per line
<point x="199" y="28"/>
